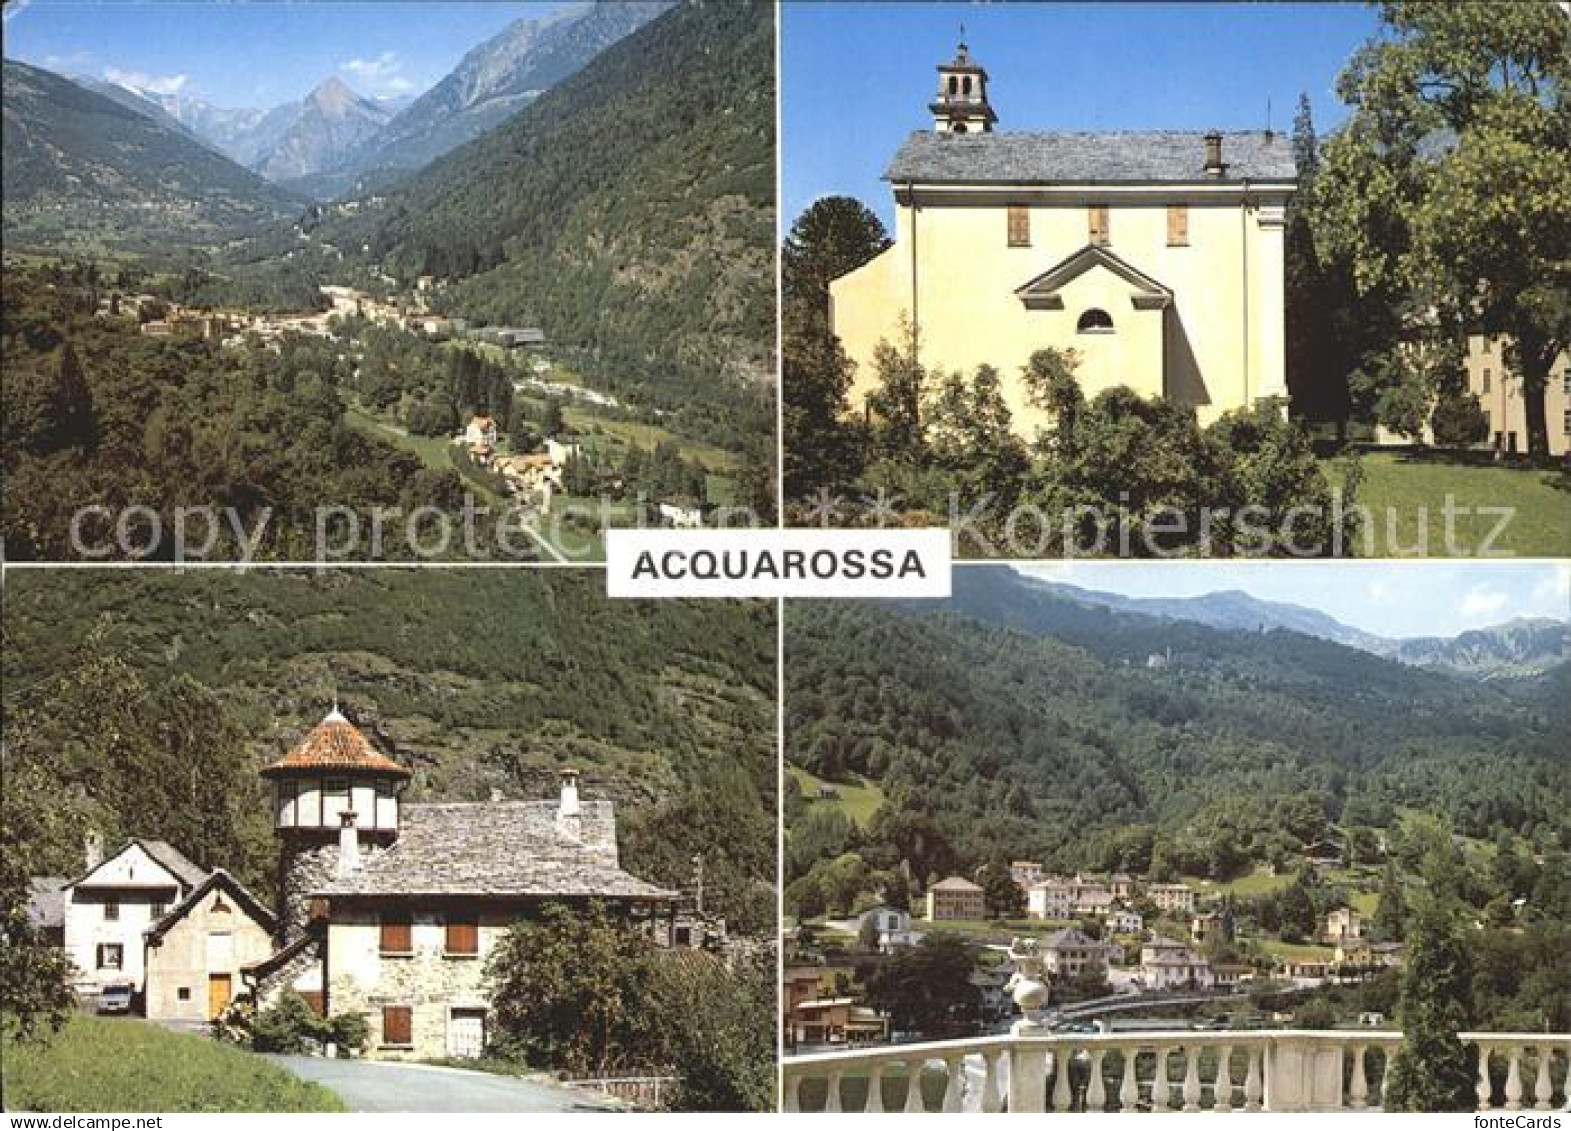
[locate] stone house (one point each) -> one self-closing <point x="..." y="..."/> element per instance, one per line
<point x="1343" y="924"/>
<point x="1069" y="953"/>
<point x="196" y="951"/>
<point x="391" y="909"/>
<point x="1168" y="964"/>
<point x="956" y="898"/>
<point x="1172" y="897"/>
<point x="1122" y="921"/>
<point x="1157" y="256"/>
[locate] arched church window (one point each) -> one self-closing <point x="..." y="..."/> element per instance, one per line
<point x="954" y="85"/>
<point x="966" y="86"/>
<point x="1095" y="321"/>
<point x="960" y="128"/>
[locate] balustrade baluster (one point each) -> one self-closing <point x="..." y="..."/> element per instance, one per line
<point x="1063" y="1095"/>
<point x="875" y="1089"/>
<point x="1483" y="1091"/>
<point x="1192" y="1079"/>
<point x="991" y="1101"/>
<point x="1096" y="1087"/>
<point x="1358" y="1089"/>
<point x="1543" y="1086"/>
<point x="1514" y="1079"/>
<point x="1253" y="1083"/>
<point x="832" y="1098"/>
<point x="953" y="1090"/>
<point x="1159" y="1081"/>
<point x="914" y="1104"/>
<point x="1129" y="1091"/>
<point x="1222" y="1086"/>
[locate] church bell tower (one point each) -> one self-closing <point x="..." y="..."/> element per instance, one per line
<point x="961" y="106"/>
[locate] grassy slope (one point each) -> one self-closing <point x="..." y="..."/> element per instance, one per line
<point x="859" y="798"/>
<point x="1538" y="529"/>
<point x="122" y="1064"/>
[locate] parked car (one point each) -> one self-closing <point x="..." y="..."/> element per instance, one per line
<point x="116" y="998"/>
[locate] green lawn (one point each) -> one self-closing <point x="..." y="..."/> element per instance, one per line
<point x="123" y="1064"/>
<point x="1400" y="489"/>
<point x="1276" y="948"/>
<point x="646" y="436"/>
<point x="859" y="798"/>
<point x="434" y="451"/>
<point x="1259" y="882"/>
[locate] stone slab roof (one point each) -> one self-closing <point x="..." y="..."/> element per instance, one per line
<point x="1164" y="157"/>
<point x="515" y="848"/>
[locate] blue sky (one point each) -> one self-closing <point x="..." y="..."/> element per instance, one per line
<point x="257" y="54"/>
<point x="857" y="78"/>
<point x="1395" y="599"/>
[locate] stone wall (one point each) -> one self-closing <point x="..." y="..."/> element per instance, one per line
<point x="428" y="981"/>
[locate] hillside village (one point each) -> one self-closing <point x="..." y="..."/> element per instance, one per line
<point x="1107" y="941"/>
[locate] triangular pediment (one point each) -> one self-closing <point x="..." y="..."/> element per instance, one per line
<point x="1044" y="291"/>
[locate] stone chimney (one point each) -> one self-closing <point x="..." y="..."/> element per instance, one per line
<point x="92" y="849"/>
<point x="348" y="848"/>
<point x="1214" y="166"/>
<point x="567" y="810"/>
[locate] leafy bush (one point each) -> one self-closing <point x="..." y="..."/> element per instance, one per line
<point x="289" y="1025"/>
<point x="1459" y="421"/>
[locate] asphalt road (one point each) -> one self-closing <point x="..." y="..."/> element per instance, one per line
<point x="366" y="1085"/>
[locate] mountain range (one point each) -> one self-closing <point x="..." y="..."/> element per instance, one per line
<point x="81" y="166"/>
<point x="333" y="139"/>
<point x="1525" y="646"/>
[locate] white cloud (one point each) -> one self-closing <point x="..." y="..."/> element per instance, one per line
<point x="1482" y="601"/>
<point x="144" y="83"/>
<point x="382" y="75"/>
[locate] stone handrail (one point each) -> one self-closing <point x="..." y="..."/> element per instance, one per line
<point x="1181" y="1070"/>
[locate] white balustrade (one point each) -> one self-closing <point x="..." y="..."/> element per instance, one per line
<point x="1293" y="1070"/>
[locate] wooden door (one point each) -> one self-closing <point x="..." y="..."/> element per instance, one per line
<point x="218" y="993"/>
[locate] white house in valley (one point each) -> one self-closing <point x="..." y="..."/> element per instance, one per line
<point x="106" y="910"/>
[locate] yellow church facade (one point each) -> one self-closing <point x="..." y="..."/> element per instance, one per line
<point x="1156" y="257"/>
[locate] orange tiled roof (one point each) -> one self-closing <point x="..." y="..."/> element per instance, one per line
<point x="335" y="743"/>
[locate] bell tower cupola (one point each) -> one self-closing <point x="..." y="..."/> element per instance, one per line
<point x="961" y="106"/>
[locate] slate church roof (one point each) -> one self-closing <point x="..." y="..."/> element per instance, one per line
<point x="515" y="848"/>
<point x="1162" y="157"/>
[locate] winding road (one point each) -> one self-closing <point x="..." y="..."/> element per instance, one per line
<point x="382" y="1086"/>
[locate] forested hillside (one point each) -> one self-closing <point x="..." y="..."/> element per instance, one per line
<point x="1033" y="729"/>
<point x="81" y="169"/>
<point x="98" y="414"/>
<point x="628" y="211"/>
<point x="144" y="705"/>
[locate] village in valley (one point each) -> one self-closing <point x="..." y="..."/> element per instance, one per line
<point x="522" y="451"/>
<point x="1115" y="949"/>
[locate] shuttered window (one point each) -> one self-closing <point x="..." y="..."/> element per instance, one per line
<point x="1019" y="226"/>
<point x="397" y="934"/>
<point x="463" y="936"/>
<point x="1178" y="225"/>
<point x="398" y="1026"/>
